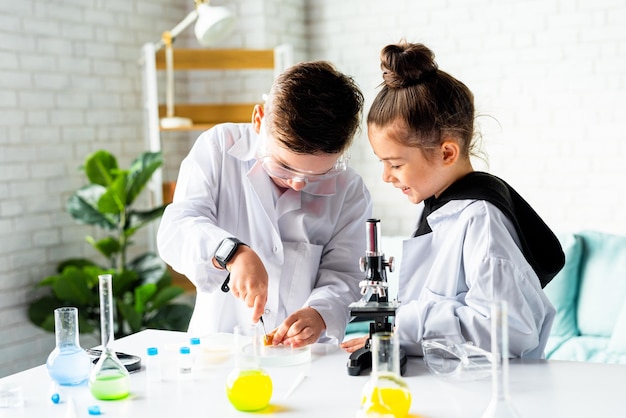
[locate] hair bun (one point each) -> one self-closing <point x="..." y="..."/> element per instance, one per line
<point x="406" y="65"/>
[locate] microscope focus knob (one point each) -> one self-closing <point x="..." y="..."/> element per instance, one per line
<point x="363" y="264"/>
<point x="391" y="264"/>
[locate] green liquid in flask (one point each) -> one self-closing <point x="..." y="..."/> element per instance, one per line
<point x="109" y="379"/>
<point x="110" y="386"/>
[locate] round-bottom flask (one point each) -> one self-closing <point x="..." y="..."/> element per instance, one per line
<point x="248" y="387"/>
<point x="386" y="393"/>
<point x="68" y="363"/>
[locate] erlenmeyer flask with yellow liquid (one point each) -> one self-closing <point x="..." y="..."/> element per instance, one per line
<point x="386" y="393"/>
<point x="249" y="387"/>
<point x="109" y="379"/>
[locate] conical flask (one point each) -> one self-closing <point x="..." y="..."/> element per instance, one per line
<point x="500" y="405"/>
<point x="68" y="363"/>
<point x="109" y="379"/>
<point x="386" y="393"/>
<point x="248" y="387"/>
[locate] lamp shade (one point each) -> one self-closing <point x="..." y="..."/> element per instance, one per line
<point x="213" y="23"/>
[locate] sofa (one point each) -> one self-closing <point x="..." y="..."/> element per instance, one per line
<point x="589" y="294"/>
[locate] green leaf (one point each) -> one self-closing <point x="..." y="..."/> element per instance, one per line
<point x="138" y="219"/>
<point x="132" y="318"/>
<point x="83" y="206"/>
<point x="71" y="286"/>
<point x="149" y="267"/>
<point x="143" y="294"/>
<point x="41" y="312"/>
<point x="107" y="246"/>
<point x="75" y="262"/>
<point x="100" y="168"/>
<point x="166" y="295"/>
<point x="114" y="199"/>
<point x="174" y="317"/>
<point x="140" y="172"/>
<point x="124" y="282"/>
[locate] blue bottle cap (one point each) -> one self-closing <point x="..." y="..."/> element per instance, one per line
<point x="185" y="350"/>
<point x="94" y="410"/>
<point x="152" y="351"/>
<point x="194" y="341"/>
<point x="55" y="398"/>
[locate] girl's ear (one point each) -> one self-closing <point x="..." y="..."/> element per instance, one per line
<point x="450" y="151"/>
<point x="257" y="115"/>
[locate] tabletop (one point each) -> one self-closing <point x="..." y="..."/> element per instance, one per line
<point x="322" y="386"/>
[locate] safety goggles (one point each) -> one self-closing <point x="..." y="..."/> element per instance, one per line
<point x="459" y="361"/>
<point x="282" y="171"/>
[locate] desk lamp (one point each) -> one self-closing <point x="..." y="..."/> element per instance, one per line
<point x="212" y="23"/>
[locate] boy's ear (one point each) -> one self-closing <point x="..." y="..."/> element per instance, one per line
<point x="257" y="115"/>
<point x="450" y="151"/>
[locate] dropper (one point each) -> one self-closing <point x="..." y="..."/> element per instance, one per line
<point x="266" y="338"/>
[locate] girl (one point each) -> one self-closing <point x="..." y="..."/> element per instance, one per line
<point x="477" y="240"/>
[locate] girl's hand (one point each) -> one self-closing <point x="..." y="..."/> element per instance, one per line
<point x="350" y="346"/>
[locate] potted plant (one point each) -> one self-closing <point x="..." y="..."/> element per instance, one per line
<point x="142" y="287"/>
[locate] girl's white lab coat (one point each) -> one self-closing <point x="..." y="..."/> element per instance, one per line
<point x="310" y="241"/>
<point x="449" y="276"/>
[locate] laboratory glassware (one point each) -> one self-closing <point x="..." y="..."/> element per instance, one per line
<point x="448" y="359"/>
<point x="109" y="379"/>
<point x="249" y="387"/>
<point x="500" y="405"/>
<point x="68" y="363"/>
<point x="386" y="393"/>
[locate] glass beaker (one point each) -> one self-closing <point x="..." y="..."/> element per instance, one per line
<point x="249" y="387"/>
<point x="500" y="405"/>
<point x="68" y="363"/>
<point x="386" y="393"/>
<point x="109" y="379"/>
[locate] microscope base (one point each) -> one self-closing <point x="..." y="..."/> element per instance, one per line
<point x="361" y="360"/>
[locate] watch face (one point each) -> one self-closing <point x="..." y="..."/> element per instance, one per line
<point x="225" y="251"/>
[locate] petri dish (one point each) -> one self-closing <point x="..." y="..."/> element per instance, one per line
<point x="284" y="355"/>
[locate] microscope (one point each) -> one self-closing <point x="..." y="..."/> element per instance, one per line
<point x="374" y="304"/>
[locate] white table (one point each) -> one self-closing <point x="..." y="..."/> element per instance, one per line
<point x="538" y="389"/>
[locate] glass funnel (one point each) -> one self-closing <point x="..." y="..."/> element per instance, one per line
<point x="68" y="363"/>
<point x="386" y="393"/>
<point x="500" y="405"/>
<point x="109" y="379"/>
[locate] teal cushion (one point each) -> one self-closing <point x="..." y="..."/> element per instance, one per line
<point x="603" y="283"/>
<point x="584" y="348"/>
<point x="617" y="343"/>
<point x="563" y="292"/>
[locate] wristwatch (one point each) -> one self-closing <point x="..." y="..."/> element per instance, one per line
<point x="226" y="251"/>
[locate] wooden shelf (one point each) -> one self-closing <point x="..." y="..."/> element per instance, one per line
<point x="218" y="59"/>
<point x="205" y="116"/>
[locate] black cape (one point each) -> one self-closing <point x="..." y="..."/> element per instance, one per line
<point x="540" y="246"/>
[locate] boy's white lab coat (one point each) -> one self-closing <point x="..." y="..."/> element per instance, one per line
<point x="449" y="277"/>
<point x="309" y="241"/>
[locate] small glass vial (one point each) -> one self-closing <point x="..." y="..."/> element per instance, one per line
<point x="185" y="364"/>
<point x="194" y="346"/>
<point x="68" y="363"/>
<point x="153" y="365"/>
<point x="386" y="393"/>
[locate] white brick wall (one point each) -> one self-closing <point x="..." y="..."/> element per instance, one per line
<point x="549" y="75"/>
<point x="69" y="85"/>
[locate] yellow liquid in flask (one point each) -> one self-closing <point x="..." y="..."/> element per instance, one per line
<point x="249" y="390"/>
<point x="388" y="400"/>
